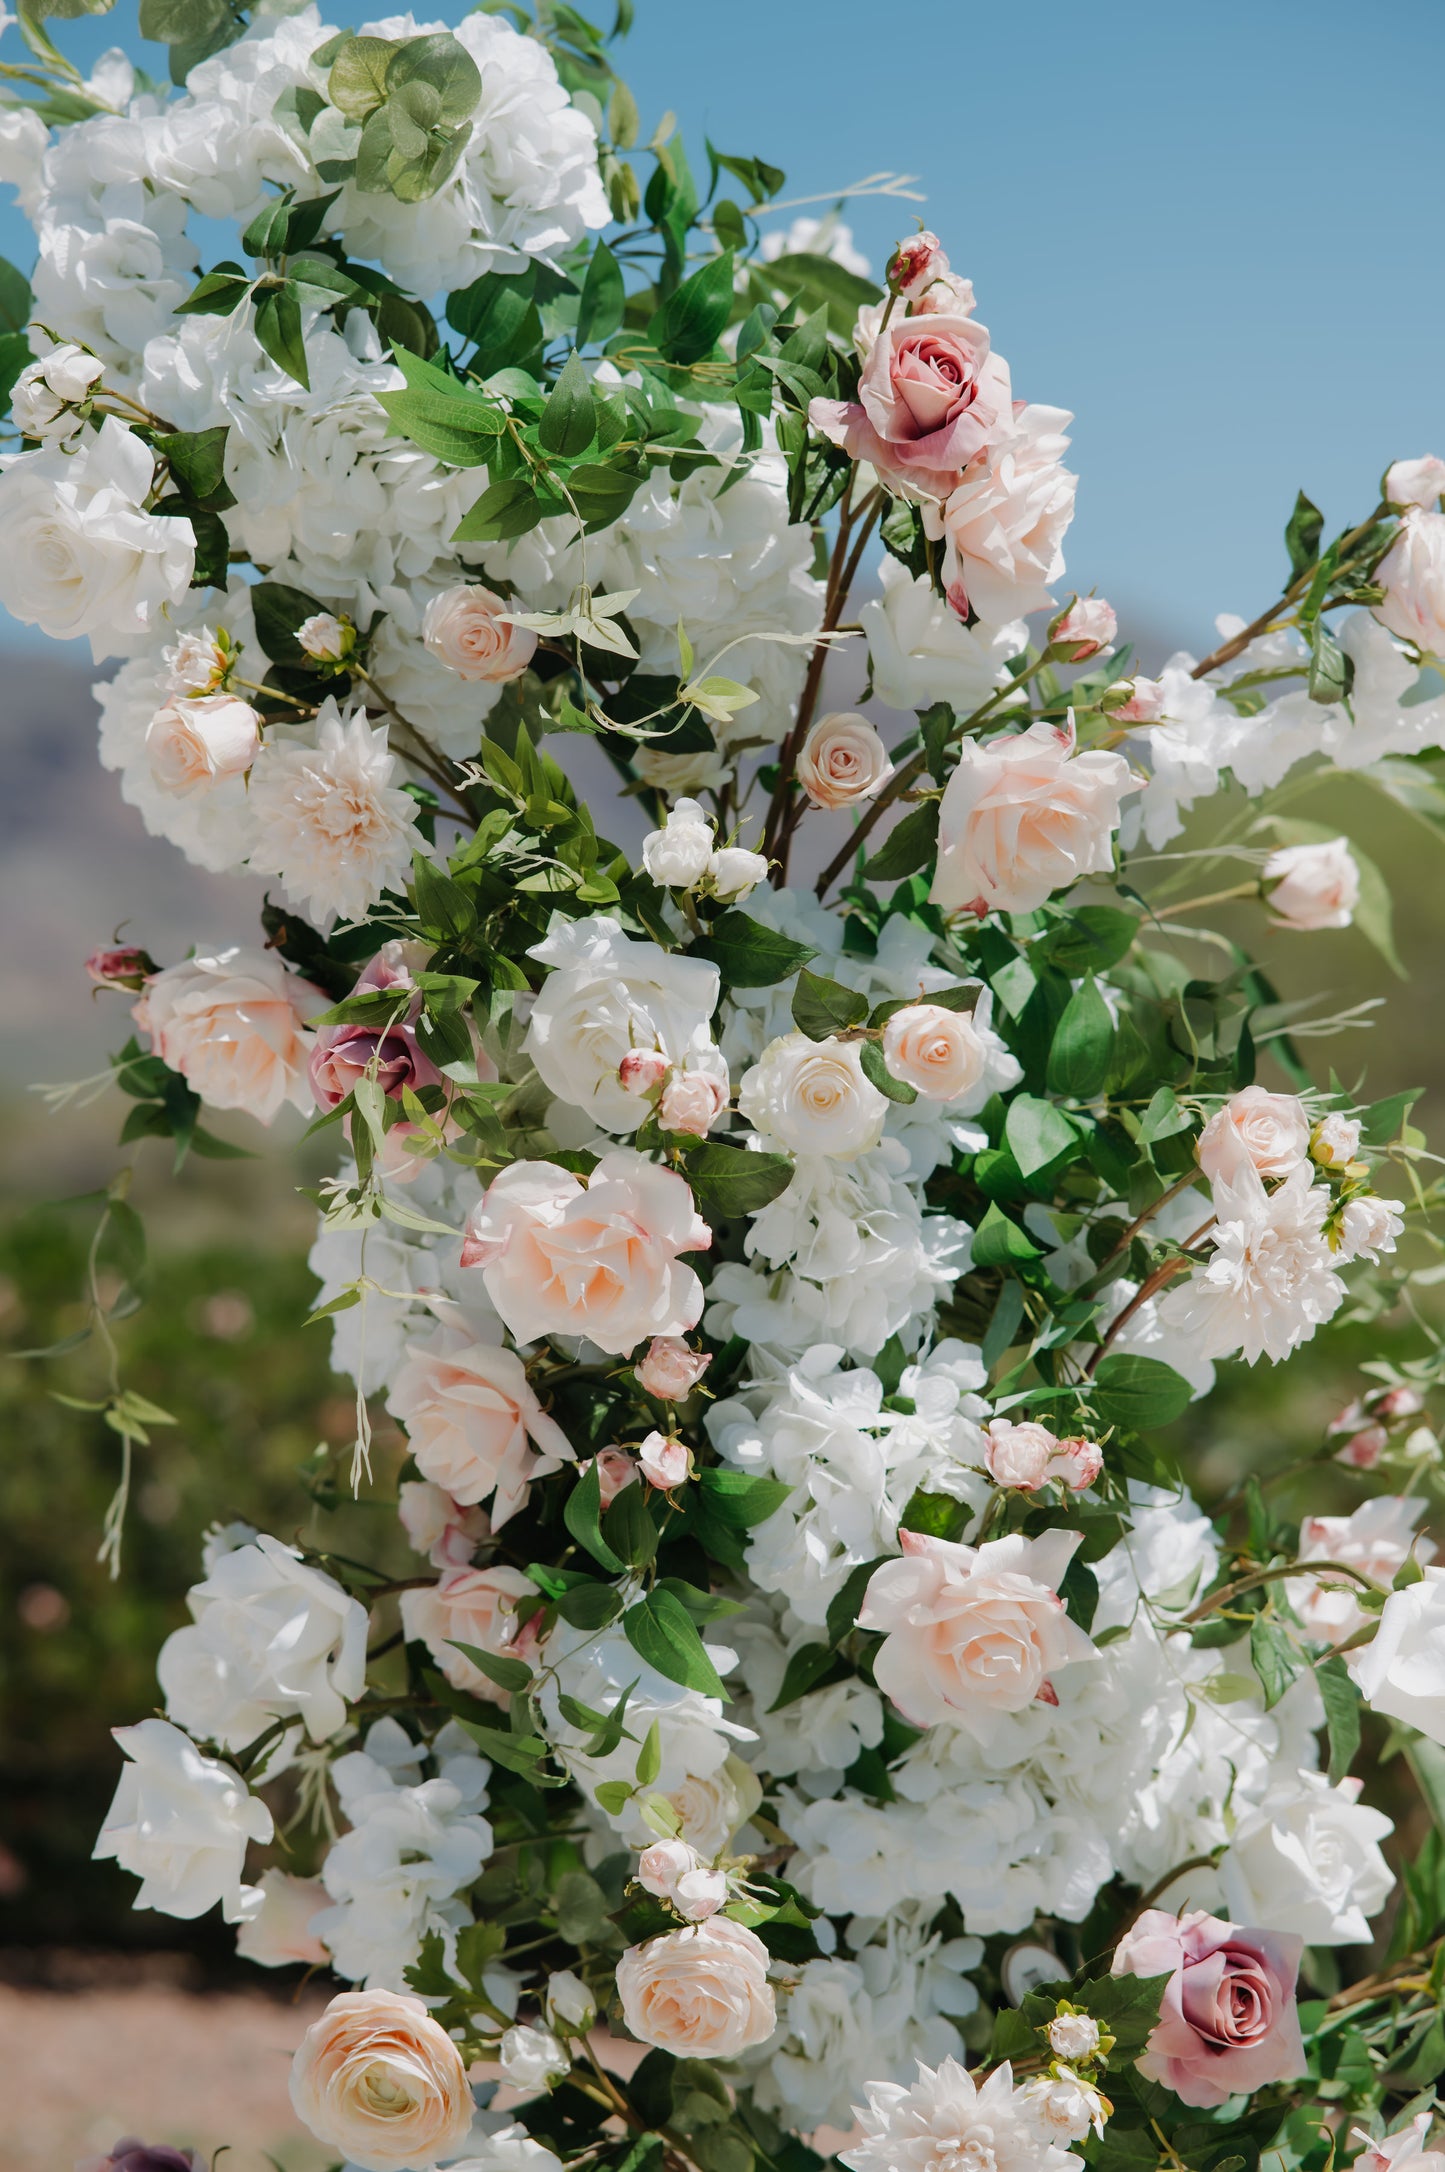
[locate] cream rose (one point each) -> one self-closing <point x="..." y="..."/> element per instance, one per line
<point x="377" y="2079"/>
<point x="1023" y="815"/>
<point x="972" y="1632"/>
<point x="195" y="740"/>
<point x="702" y="1993"/>
<point x="467" y="1606"/>
<point x="842" y="761"/>
<point x="1313" y="886"/>
<point x="466" y="629"/>
<point x="233" y="1025"/>
<point x="474" y="1422"/>
<point x="599" y="1259"/>
<point x="1003" y="527"/>
<point x="1412" y="574"/>
<point x="1019" y="1455"/>
<point x="939" y="1052"/>
<point x="1269" y="1131"/>
<point x="813" y="1097"/>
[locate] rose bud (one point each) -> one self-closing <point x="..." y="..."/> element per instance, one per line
<point x="669" y="1370"/>
<point x="126" y="966"/>
<point x="1088" y="626"/>
<point x="1019" y="1455"/>
<point x="1396" y="1403"/>
<point x="672" y="1871"/>
<point x="1142" y="703"/>
<point x="692" y="1102"/>
<point x="665" y="1461"/>
<point x="1073" y="2036"/>
<point x="326" y="638"/>
<point x="642" y="1071"/>
<point x="1364" y="1451"/>
<point x="131" y="2155"/>
<point x="1077" y="1462"/>
<point x="733" y="871"/>
<point x="1313" y="886"/>
<point x="615" y="1469"/>
<point x="1335" y="1141"/>
<point x="1416" y="482"/>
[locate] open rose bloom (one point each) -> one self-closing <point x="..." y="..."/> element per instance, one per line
<point x="1228" y="2023"/>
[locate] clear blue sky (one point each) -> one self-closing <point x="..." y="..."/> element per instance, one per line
<point x="1213" y="231"/>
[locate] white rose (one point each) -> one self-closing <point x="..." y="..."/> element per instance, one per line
<point x="531" y="2058"/>
<point x="81" y="555"/>
<point x="47" y="394"/>
<point x="195" y="740"/>
<point x="569" y="2003"/>
<point x="512" y="2149"/>
<point x="1313" y="886"/>
<point x="922" y="652"/>
<point x="1270" y="1132"/>
<point x="181" y="1823"/>
<point x="270" y="1638"/>
<point x="813" y="1098"/>
<point x="842" y="761"/>
<point x="972" y="1632"/>
<point x="1368" y="1227"/>
<point x="1412" y="574"/>
<point x="1335" y="1141"/>
<point x="1022" y="816"/>
<point x="1401" y="1672"/>
<point x="1306" y="1860"/>
<point x="280" y="1934"/>
<point x="233" y="1024"/>
<point x="702" y="1993"/>
<point x="733" y="871"/>
<point x="606" y="995"/>
<point x="466" y="628"/>
<point x="1073" y="2036"/>
<point x="678" y="855"/>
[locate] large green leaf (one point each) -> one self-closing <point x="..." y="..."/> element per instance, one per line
<point x="660" y="1630"/>
<point x="1139" y="1392"/>
<point x="447" y="419"/>
<point x="688" y="325"/>
<point x="749" y="955"/>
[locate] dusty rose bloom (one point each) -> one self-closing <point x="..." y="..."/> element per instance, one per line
<point x="123" y="966"/>
<point x="1228" y="2023"/>
<point x="931" y="397"/>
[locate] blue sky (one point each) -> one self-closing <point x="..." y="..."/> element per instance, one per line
<point x="1213" y="231"/>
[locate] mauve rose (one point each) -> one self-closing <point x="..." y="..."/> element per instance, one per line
<point x="125" y="966"/>
<point x="343" y="1054"/>
<point x="1228" y="2022"/>
<point x="466" y="629"/>
<point x="931" y="397"/>
<point x="130" y="2155"/>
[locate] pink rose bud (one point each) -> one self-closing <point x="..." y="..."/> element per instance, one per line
<point x="665" y="1461"/>
<point x="914" y="262"/>
<point x="674" y="1872"/>
<point x="669" y="1370"/>
<point x="642" y="1071"/>
<point x="1416" y="482"/>
<point x="615" y="1470"/>
<point x="1019" y="1455"/>
<point x="1349" y="1420"/>
<point x="1088" y="626"/>
<point x="1078" y="1463"/>
<point x="1143" y="705"/>
<point x="126" y="966"/>
<point x="1397" y="1403"/>
<point x="1365" y="1450"/>
<point x="691" y="1102"/>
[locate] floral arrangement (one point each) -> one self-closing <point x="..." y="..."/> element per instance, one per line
<point x="814" y="1713"/>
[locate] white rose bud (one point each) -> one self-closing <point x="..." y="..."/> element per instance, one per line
<point x="197" y="739"/>
<point x="642" y="1070"/>
<point x="1143" y="701"/>
<point x="813" y="1097"/>
<point x="1073" y="2036"/>
<point x="198" y="662"/>
<point x="325" y="637"/>
<point x="678" y="855"/>
<point x="531" y="2058"/>
<point x="842" y="761"/>
<point x="569" y="2003"/>
<point x="674" y="1872"/>
<point x="465" y="628"/>
<point x="47" y="394"/>
<point x="1416" y="482"/>
<point x="733" y="871"/>
<point x="1335" y="1141"/>
<point x="1314" y="886"/>
<point x="692" y="1102"/>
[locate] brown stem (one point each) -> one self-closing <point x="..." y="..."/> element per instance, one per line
<point x="808" y="700"/>
<point x="1162" y="1885"/>
<point x="1181" y="1184"/>
<point x="424" y="754"/>
<point x="1240" y="641"/>
<point x="897" y="784"/>
<point x="1147" y="1288"/>
<point x="1258" y="1577"/>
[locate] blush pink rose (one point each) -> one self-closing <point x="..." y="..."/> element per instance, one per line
<point x="665" y="1461"/>
<point x="1362" y="1452"/>
<point x="474" y="1422"/>
<point x="971" y="1633"/>
<point x="280" y="1934"/>
<point x="1022" y="816"/>
<point x="938" y="1052"/>
<point x="1416" y="482"/>
<point x="1270" y="1132"/>
<point x="1145" y="703"/>
<point x="669" y="1370"/>
<point x="438" y="1526"/>
<point x="931" y="397"/>
<point x="1228" y="2023"/>
<point x="196" y="740"/>
<point x="467" y="631"/>
<point x="1377" y="1540"/>
<point x="381" y="2082"/>
<point x="467" y="1606"/>
<point x="1088" y="626"/>
<point x="615" y="1470"/>
<point x="691" y="1102"/>
<point x="1003" y="526"/>
<point x="1019" y="1455"/>
<point x="675" y="1872"/>
<point x="601" y="1258"/>
<point x="842" y="761"/>
<point x="702" y="1993"/>
<point x="1412" y="575"/>
<point x="233" y="1025"/>
<point x="1077" y="1462"/>
<point x="1314" y="886"/>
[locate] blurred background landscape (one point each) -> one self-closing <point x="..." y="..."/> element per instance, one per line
<point x="1207" y="234"/>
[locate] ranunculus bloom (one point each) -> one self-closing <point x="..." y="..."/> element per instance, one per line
<point x="972" y="1632"/>
<point x="692" y="1102"/>
<point x="1270" y="1132"/>
<point x="702" y="1993"/>
<point x="947" y="2122"/>
<point x="474" y="1423"/>
<point x="1087" y="626"/>
<point x="1228" y="2023"/>
<point x="675" y="1872"/>
<point x="1412" y="574"/>
<point x="1023" y="815"/>
<point x="1003" y="527"/>
<point x="932" y="395"/>
<point x="467" y="1606"/>
<point x="196" y="739"/>
<point x="123" y="966"/>
<point x="1073" y="2036"/>
<point x="813" y="1097"/>
<point x="665" y="1461"/>
<point x="181" y="1823"/>
<point x="1335" y="1141"/>
<point x="466" y="629"/>
<point x="842" y="760"/>
<point x="1313" y="886"/>
<point x="1064" y="2106"/>
<point x="1401" y="1671"/>
<point x="232" y="1025"/>
<point x="377" y="2079"/>
<point x="1019" y="1455"/>
<point x="600" y="1259"/>
<point x="669" y="1370"/>
<point x="280" y="1934"/>
<point x="939" y="1052"/>
<point x="1403" y="2151"/>
<point x="1270" y="1279"/>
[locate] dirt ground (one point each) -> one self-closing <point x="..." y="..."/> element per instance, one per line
<point x="86" y="2066"/>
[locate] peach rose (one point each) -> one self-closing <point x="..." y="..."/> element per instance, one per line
<point x="1004" y="525"/>
<point x="1022" y="816"/>
<point x="931" y="397"/>
<point x="467" y="630"/>
<point x="843" y="760"/>
<point x="1313" y="886"/>
<point x="196" y="740"/>
<point x="600" y="1259"/>
<point x="972" y="1632"/>
<point x="377" y="2079"/>
<point x="232" y="1025"/>
<point x="1269" y="1131"/>
<point x="936" y="1051"/>
<point x="702" y="1993"/>
<point x="474" y="1423"/>
<point x="669" y="1370"/>
<point x="467" y="1606"/>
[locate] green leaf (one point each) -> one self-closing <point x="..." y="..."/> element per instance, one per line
<point x="443" y="906"/>
<point x="219" y="294"/>
<point x="732" y="1180"/>
<point x="441" y="63"/>
<point x="445" y="418"/>
<point x="277" y="325"/>
<point x="15" y="298"/>
<point x="1274" y="1658"/>
<point x="649" y="1757"/>
<point x="1090" y="938"/>
<point x="909" y="845"/>
<point x="877" y="1073"/>
<point x="749" y="955"/>
<point x="1331" y="672"/>
<point x="1138" y="1392"/>
<point x="807" y="1666"/>
<point x="266" y="236"/>
<point x="569" y="419"/>
<point x="589" y="1606"/>
<point x="1381" y="1122"/>
<point x="821" y="279"/>
<point x="357" y="82"/>
<point x="505" y="509"/>
<point x="629" y="1529"/>
<point x="500" y="317"/>
<point x="1083" y="1045"/>
<point x="845" y="1602"/>
<point x="1037" y="1133"/>
<point x="198" y="464"/>
<point x="742" y="1499"/>
<point x="1127" y="2008"/>
<point x="824" y="1007"/>
<point x="998" y="1242"/>
<point x="604" y="297"/>
<point x="688" y="325"/>
<point x="582" y="1514"/>
<point x="660" y="1631"/>
<point x="278" y="611"/>
<point x="1341" y="1701"/>
<point x="15" y="356"/>
<point x="1302" y="536"/>
<point x="509" y="1674"/>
